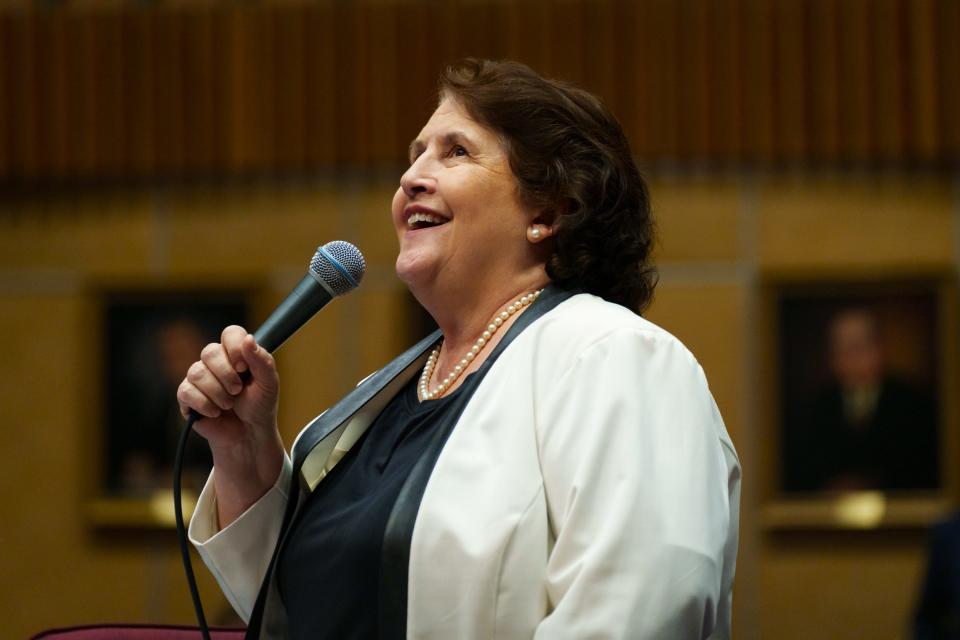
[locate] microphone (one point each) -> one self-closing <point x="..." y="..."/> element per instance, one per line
<point x="336" y="268"/>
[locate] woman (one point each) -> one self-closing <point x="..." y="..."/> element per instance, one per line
<point x="554" y="466"/>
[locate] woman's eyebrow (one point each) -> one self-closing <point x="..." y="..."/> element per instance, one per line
<point x="456" y="137"/>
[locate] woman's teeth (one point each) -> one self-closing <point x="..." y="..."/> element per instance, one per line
<point x="420" y="220"/>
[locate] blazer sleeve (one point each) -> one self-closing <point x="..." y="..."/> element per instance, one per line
<point x="639" y="477"/>
<point x="239" y="555"/>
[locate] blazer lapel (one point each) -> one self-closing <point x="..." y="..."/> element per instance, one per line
<point x="337" y="416"/>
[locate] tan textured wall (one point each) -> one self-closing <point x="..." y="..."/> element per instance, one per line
<point x="720" y="238"/>
<point x="57" y="257"/>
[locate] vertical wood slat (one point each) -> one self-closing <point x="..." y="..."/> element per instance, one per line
<point x="922" y="81"/>
<point x="527" y="38"/>
<point x="51" y="93"/>
<point x="97" y="101"/>
<point x="42" y="63"/>
<point x="887" y="73"/>
<point x="350" y="131"/>
<point x="199" y="97"/>
<point x="109" y="47"/>
<point x="415" y="92"/>
<point x="235" y="104"/>
<point x="948" y="40"/>
<point x="65" y="88"/>
<point x="660" y="35"/>
<point x="6" y="93"/>
<point x="472" y="32"/>
<point x="629" y="75"/>
<point x="222" y="61"/>
<point x="84" y="99"/>
<point x="759" y="66"/>
<point x="264" y="88"/>
<point x="724" y="82"/>
<point x="791" y="80"/>
<point x="382" y="85"/>
<point x="567" y="22"/>
<point x="289" y="70"/>
<point x="649" y="101"/>
<point x="823" y="100"/>
<point x="58" y="126"/>
<point x="169" y="92"/>
<point x="322" y="118"/>
<point x="25" y="114"/>
<point x="857" y="113"/>
<point x="497" y="43"/>
<point x="602" y="67"/>
<point x="249" y="108"/>
<point x="140" y="89"/>
<point x="694" y="103"/>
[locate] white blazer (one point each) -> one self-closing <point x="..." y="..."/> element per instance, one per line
<point x="588" y="490"/>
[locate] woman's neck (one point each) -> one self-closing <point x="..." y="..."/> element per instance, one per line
<point x="459" y="338"/>
<point x="463" y="319"/>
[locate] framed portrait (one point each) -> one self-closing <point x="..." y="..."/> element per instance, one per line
<point x="149" y="340"/>
<point x="859" y="401"/>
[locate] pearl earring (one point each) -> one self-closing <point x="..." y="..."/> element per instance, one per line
<point x="535" y="232"/>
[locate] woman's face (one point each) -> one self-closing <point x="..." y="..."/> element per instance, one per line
<point x="456" y="213"/>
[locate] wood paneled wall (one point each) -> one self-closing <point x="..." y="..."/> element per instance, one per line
<point x="129" y="90"/>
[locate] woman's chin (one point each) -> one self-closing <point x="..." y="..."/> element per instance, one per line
<point x="414" y="269"/>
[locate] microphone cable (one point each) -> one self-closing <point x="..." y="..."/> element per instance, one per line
<point x="182" y="530"/>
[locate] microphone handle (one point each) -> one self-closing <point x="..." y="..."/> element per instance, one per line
<point x="306" y="299"/>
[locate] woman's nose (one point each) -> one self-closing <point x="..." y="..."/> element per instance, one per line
<point x="417" y="179"/>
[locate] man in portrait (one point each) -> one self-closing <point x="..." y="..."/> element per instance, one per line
<point x="867" y="428"/>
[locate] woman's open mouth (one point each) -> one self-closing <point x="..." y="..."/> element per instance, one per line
<point x="422" y="220"/>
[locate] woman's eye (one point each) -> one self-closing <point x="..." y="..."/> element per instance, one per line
<point x="457" y="150"/>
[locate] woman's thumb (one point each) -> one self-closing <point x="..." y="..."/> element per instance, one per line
<point x="263" y="370"/>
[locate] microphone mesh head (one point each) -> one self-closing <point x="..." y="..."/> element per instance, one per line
<point x="339" y="265"/>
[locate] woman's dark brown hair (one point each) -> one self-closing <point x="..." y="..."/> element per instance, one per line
<point x="570" y="157"/>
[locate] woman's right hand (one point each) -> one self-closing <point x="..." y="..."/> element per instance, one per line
<point x="238" y="420"/>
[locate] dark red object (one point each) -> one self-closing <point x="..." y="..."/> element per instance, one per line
<point x="135" y="632"/>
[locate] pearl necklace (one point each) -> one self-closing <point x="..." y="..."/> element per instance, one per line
<point x="443" y="387"/>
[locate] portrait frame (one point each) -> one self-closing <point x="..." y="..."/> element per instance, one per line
<point x="148" y="337"/>
<point x="920" y="310"/>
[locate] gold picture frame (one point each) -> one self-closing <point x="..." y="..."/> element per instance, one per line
<point x="807" y="324"/>
<point x="148" y="339"/>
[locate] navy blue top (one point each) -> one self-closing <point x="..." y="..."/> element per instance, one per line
<point x="329" y="571"/>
